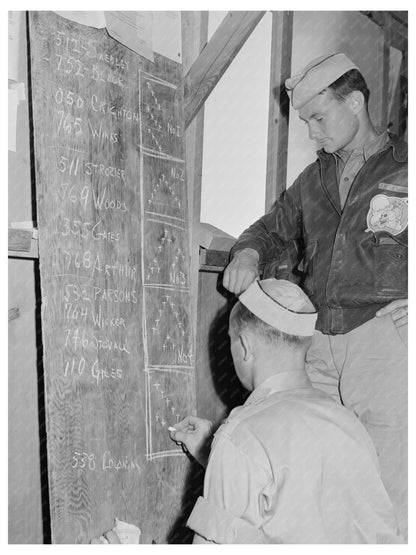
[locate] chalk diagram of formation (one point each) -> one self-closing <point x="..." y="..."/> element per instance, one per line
<point x="169" y="362"/>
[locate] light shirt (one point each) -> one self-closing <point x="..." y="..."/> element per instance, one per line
<point x="293" y="466"/>
<point x="350" y="163"/>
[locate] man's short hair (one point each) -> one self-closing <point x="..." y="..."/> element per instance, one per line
<point x="243" y="319"/>
<point x="349" y="82"/>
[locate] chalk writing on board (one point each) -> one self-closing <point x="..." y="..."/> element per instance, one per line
<point x="92" y="265"/>
<point x="88" y="461"/>
<point x="157" y="98"/>
<point x="167" y="264"/>
<point x="166" y="406"/>
<point x="164" y="189"/>
<point x="114" y="252"/>
<point x="96" y="372"/>
<point x="83" y="338"/>
<point x="166" y="331"/>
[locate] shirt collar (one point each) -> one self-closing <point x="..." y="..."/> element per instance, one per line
<point x="282" y="381"/>
<point x="369" y="149"/>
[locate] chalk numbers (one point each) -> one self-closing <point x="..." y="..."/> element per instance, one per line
<point x="67" y="165"/>
<point x="69" y="98"/>
<point x="74" y="194"/>
<point x="83" y="460"/>
<point x="74" y="367"/>
<point x="67" y="122"/>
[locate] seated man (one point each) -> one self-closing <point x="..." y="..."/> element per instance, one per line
<point x="291" y="465"/>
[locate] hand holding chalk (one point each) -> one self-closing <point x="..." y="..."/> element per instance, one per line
<point x="172" y="436"/>
<point x="194" y="434"/>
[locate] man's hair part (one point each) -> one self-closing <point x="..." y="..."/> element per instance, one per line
<point x="243" y="319"/>
<point x="351" y="81"/>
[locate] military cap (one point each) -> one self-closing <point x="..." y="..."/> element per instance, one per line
<point x="316" y="76"/>
<point x="281" y="304"/>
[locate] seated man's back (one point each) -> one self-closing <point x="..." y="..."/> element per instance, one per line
<point x="298" y="468"/>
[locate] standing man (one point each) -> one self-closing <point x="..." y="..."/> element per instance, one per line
<point x="347" y="214"/>
<point x="291" y="465"/>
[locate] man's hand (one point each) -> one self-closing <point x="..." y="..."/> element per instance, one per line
<point x="195" y="434"/>
<point x="398" y="311"/>
<point x="241" y="271"/>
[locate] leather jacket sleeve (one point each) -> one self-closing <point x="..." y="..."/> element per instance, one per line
<point x="271" y="235"/>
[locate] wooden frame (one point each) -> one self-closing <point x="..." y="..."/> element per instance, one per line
<point x="218" y="54"/>
<point x="278" y="129"/>
<point x="397" y="22"/>
<point x="194" y="38"/>
<point x="22" y="244"/>
<point x="394" y="26"/>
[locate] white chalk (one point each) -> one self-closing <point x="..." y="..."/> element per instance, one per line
<point x="172" y="429"/>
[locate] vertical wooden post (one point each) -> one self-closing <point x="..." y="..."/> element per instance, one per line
<point x="403" y="84"/>
<point x="280" y="67"/>
<point x="386" y="37"/>
<point x="194" y="38"/>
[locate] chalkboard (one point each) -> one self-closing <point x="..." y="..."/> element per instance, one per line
<point x="114" y="264"/>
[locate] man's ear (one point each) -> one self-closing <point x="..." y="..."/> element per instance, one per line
<point x="245" y="342"/>
<point x="356" y="101"/>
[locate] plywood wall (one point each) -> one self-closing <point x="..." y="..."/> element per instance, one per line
<point x="25" y="507"/>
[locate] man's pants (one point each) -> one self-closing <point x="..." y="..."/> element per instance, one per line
<point x="366" y="369"/>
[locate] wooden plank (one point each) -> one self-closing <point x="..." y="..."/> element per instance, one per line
<point x="114" y="265"/>
<point x="386" y="38"/>
<point x="211" y="237"/>
<point x="401" y="17"/>
<point x="212" y="269"/>
<point x="26" y="439"/>
<point x="216" y="374"/>
<point x="27" y="484"/>
<point x="194" y="38"/>
<point x="20" y="240"/>
<point x="32" y="253"/>
<point x="213" y="61"/>
<point x="216" y="258"/>
<point x="398" y="28"/>
<point x="278" y="130"/>
<point x="403" y="84"/>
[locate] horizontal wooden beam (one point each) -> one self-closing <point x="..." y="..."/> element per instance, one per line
<point x="398" y="30"/>
<point x="215" y="58"/>
<point x="213" y="258"/>
<point x="22" y="244"/>
<point x="20" y="240"/>
<point x="401" y="17"/>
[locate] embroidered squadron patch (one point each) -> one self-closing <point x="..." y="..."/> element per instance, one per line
<point x="387" y="214"/>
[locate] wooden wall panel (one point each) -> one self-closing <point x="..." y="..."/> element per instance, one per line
<point x="114" y="265"/>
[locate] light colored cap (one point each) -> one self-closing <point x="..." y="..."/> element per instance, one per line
<point x="281" y="304"/>
<point x="316" y="76"/>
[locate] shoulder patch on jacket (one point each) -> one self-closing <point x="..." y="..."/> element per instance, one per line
<point x="387" y="214"/>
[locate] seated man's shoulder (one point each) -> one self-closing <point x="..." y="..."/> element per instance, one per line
<point x="313" y="411"/>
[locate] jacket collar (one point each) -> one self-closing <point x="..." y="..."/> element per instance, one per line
<point x="398" y="146"/>
<point x="282" y="381"/>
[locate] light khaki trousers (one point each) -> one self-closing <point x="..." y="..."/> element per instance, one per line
<point x="366" y="370"/>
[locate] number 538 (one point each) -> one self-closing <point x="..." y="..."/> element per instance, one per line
<point x="83" y="460"/>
